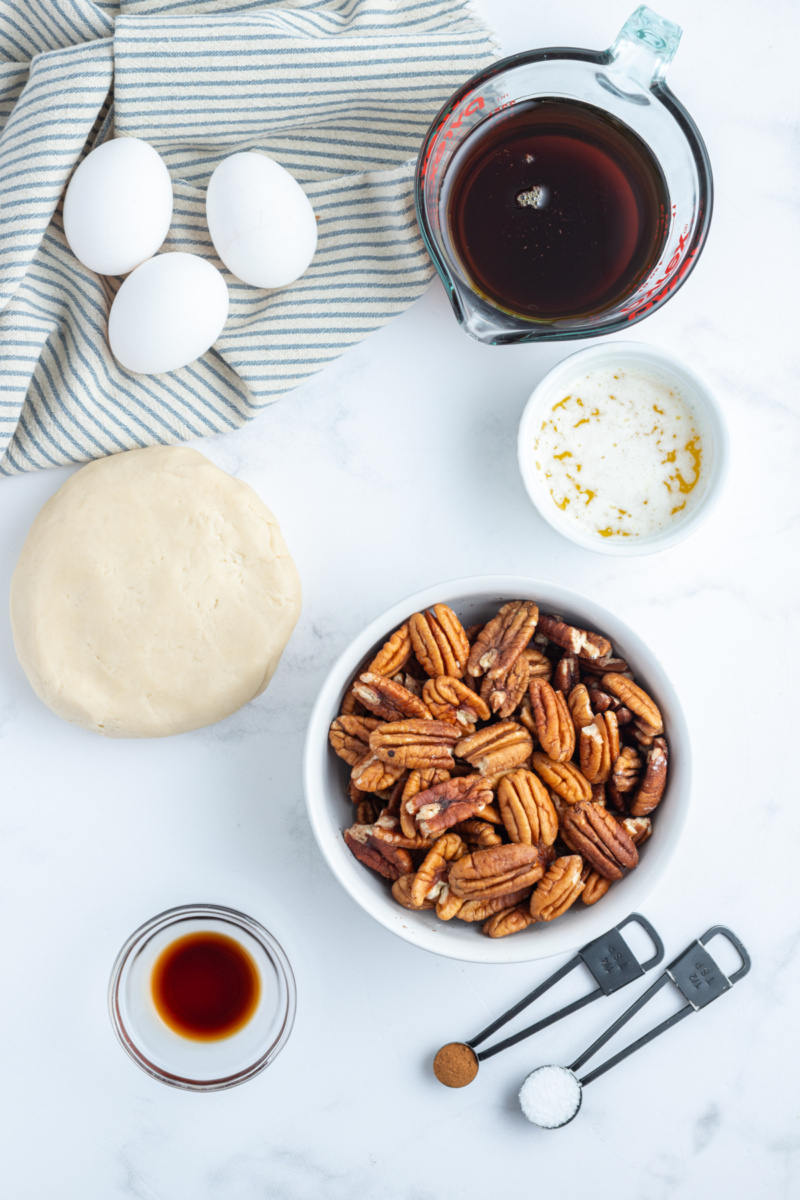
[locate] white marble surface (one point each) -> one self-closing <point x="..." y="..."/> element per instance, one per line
<point x="395" y="468"/>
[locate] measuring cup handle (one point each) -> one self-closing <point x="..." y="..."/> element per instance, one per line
<point x="644" y="47"/>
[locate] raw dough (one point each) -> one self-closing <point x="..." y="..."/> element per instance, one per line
<point x="154" y="594"/>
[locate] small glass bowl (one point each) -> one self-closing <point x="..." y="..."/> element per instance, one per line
<point x="200" y="1066"/>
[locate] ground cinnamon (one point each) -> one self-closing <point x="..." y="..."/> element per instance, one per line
<point x="455" y="1065"/>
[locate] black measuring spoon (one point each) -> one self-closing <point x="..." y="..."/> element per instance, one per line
<point x="551" y="1095"/>
<point x="611" y="962"/>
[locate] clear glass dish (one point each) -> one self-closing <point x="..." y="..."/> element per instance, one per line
<point x="182" y="1062"/>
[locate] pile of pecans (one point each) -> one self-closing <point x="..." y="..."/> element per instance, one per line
<point x="502" y="772"/>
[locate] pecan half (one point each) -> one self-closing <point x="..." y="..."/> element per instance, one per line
<point x="478" y="833"/>
<point x="577" y="641"/>
<point x="485" y="874"/>
<point x="450" y="699"/>
<point x="494" y="779"/>
<point x="599" y="700"/>
<point x="499" y="747"/>
<point x="539" y="664"/>
<point x="601" y="666"/>
<point x="525" y="717"/>
<point x="349" y="736"/>
<point x="526" y="808"/>
<point x="415" y="744"/>
<point x="387" y="827"/>
<point x="599" y="747"/>
<point x="508" y="920"/>
<point x="567" y="674"/>
<point x="553" y="721"/>
<point x="394" y="654"/>
<point x="445" y="804"/>
<point x="356" y="795"/>
<point x="626" y="770"/>
<point x="640" y="829"/>
<point x="439" y="641"/>
<point x="599" y="794"/>
<point x="637" y="700"/>
<point x="558" y="804"/>
<point x="391" y="794"/>
<point x="559" y="888"/>
<point x="366" y="812"/>
<point x="391" y="807"/>
<point x="603" y="701"/>
<point x="563" y="777"/>
<point x="388" y="860"/>
<point x="479" y="910"/>
<point x="373" y="775"/>
<point x="432" y="872"/>
<point x="448" y="904"/>
<point x="595" y="886"/>
<point x="640" y="735"/>
<point x="594" y="833"/>
<point x="401" y="890"/>
<point x="409" y="682"/>
<point x="505" y="692"/>
<point x="502" y="640"/>
<point x="651" y="789"/>
<point x="351" y="707"/>
<point x="387" y="699"/>
<point x="580" y="707"/>
<point x="418" y="781"/>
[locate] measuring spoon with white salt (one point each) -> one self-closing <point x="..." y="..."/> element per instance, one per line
<point x="551" y="1095"/>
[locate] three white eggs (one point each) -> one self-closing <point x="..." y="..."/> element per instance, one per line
<point x="172" y="307"/>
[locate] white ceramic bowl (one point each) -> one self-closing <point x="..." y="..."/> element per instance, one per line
<point x="331" y="811"/>
<point x="697" y="394"/>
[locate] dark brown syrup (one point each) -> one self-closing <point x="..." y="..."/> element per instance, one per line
<point x="555" y="209"/>
<point x="205" y="986"/>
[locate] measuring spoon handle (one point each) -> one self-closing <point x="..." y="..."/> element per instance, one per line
<point x="623" y="1020"/>
<point x="696" y="976"/>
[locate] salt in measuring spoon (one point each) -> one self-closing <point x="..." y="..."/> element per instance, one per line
<point x="551" y="1095"/>
<point x="611" y="962"/>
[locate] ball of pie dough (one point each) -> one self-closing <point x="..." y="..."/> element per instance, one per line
<point x="154" y="594"/>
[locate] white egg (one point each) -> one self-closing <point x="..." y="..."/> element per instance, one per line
<point x="118" y="206"/>
<point x="167" y="313"/>
<point x="261" y="221"/>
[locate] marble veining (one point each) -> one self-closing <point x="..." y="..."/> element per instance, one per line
<point x="395" y="467"/>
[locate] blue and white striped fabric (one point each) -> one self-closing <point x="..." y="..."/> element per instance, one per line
<point x="340" y="92"/>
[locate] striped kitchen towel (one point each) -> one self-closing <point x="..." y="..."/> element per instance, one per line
<point x="340" y="92"/>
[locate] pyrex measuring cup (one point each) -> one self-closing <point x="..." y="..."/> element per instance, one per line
<point x="625" y="81"/>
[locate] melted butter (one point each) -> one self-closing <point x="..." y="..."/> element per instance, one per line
<point x="639" y="453"/>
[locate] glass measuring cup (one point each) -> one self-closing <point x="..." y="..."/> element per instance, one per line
<point x="625" y="81"/>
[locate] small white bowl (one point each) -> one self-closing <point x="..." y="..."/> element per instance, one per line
<point x="330" y="810"/>
<point x="691" y="387"/>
